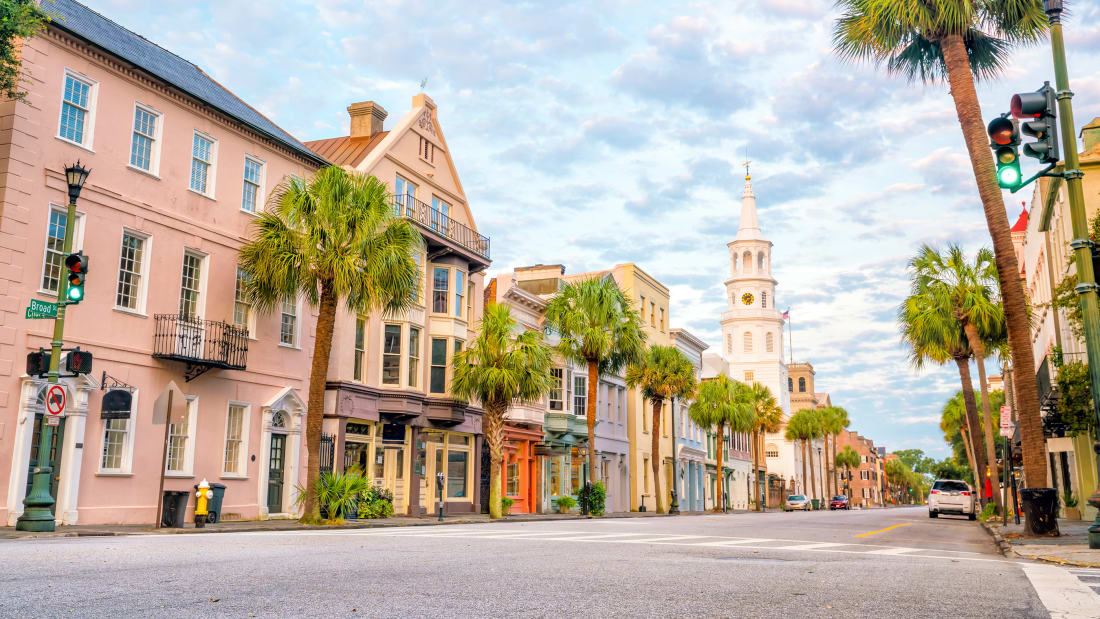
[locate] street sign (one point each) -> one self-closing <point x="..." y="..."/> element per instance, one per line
<point x="52" y="420"/>
<point x="41" y="309"/>
<point x="1006" y="422"/>
<point x="55" y="400"/>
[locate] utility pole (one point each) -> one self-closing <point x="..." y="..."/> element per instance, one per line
<point x="38" y="504"/>
<point x="1082" y="246"/>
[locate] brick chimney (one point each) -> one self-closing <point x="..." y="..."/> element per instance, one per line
<point x="1090" y="134"/>
<point x="366" y="119"/>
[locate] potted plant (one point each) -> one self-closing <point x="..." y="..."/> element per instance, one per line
<point x="1070" y="502"/>
<point x="565" y="504"/>
<point x="506" y="504"/>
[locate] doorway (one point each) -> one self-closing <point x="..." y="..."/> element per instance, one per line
<point x="55" y="456"/>
<point x="275" y="473"/>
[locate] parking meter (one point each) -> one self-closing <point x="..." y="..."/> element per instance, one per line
<point x="439" y="483"/>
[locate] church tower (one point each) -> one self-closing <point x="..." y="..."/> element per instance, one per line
<point x="752" y="327"/>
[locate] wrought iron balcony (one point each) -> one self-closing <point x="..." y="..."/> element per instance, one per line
<point x="433" y="220"/>
<point x="201" y="344"/>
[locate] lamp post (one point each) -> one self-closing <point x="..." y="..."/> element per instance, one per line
<point x="1086" y="287"/>
<point x="674" y="504"/>
<point x="38" y="504"/>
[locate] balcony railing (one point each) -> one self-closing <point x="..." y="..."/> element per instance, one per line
<point x="430" y="218"/>
<point x="201" y="344"/>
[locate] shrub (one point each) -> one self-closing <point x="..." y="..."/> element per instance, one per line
<point x="594" y="497"/>
<point x="337" y="494"/>
<point x="1069" y="500"/>
<point x="988" y="511"/>
<point x="375" y="503"/>
<point x="565" y="503"/>
<point x="506" y="504"/>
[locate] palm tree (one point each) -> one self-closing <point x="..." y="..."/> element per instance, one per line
<point x="663" y="373"/>
<point x="768" y="417"/>
<point x="596" y="327"/>
<point x="931" y="40"/>
<point x="797" y="430"/>
<point x="501" y="368"/>
<point x="848" y="458"/>
<point x="330" y="239"/>
<point x="720" y="403"/>
<point x="968" y="291"/>
<point x="953" y="421"/>
<point x="834" y="421"/>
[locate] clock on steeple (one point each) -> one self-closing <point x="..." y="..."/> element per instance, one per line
<point x="747" y="298"/>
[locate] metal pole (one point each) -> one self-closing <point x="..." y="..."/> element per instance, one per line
<point x="1086" y="279"/>
<point x="38" y="504"/>
<point x="163" y="460"/>
<point x="674" y="505"/>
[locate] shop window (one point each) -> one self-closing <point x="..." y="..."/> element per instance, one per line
<point x="512" y="475"/>
<point x="438" y="383"/>
<point x="576" y="473"/>
<point x="458" y="466"/>
<point x="555" y="476"/>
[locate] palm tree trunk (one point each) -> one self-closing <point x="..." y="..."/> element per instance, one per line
<point x="836" y="482"/>
<point x="969" y="112"/>
<point x="972" y="423"/>
<point x="969" y="451"/>
<point x="493" y="423"/>
<point x="315" y="405"/>
<point x="590" y="413"/>
<point x="813" y="473"/>
<point x="720" y="491"/>
<point x="655" y="453"/>
<point x="987" y="419"/>
<point x="805" y="490"/>
<point x="756" y="470"/>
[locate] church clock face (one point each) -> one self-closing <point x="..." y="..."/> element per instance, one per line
<point x="747" y="298"/>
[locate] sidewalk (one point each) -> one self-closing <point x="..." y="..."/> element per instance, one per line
<point x="294" y="525"/>
<point x="1071" y="548"/>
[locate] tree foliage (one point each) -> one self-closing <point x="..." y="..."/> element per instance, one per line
<point x="19" y="19"/>
<point x="1075" y="404"/>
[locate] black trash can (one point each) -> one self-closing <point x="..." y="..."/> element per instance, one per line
<point x="1040" y="510"/>
<point x="214" y="505"/>
<point x="175" y="508"/>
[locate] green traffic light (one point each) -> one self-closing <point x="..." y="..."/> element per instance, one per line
<point x="76" y="293"/>
<point x="1009" y="176"/>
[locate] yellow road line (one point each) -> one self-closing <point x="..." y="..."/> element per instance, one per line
<point x="904" y="524"/>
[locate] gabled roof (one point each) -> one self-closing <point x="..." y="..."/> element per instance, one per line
<point x="1021" y="223"/>
<point x="346" y="150"/>
<point x="83" y="22"/>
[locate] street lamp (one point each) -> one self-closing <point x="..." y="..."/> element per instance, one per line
<point x="38" y="504"/>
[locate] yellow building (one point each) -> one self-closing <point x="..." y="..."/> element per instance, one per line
<point x="650" y="298"/>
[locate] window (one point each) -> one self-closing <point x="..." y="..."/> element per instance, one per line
<point x="772" y="451"/>
<point x="180" y="445"/>
<point x="288" y="324"/>
<point x="748" y="341"/>
<point x="557" y="375"/>
<point x="418" y="260"/>
<point x="458" y="346"/>
<point x="404" y="195"/>
<point x="802" y="384"/>
<point x="790" y="384"/>
<point x="512" y="476"/>
<point x="360" y="346"/>
<point x="749" y="376"/>
<point x="414" y="356"/>
<point x="470" y="303"/>
<point x="645" y="475"/>
<point x="235" y="419"/>
<point x="580" y="395"/>
<point x="729" y="344"/>
<point x="55" y="247"/>
<point x="555" y="475"/>
<point x="144" y="150"/>
<point x="76" y="110"/>
<point x="764" y="299"/>
<point x="652" y="314"/>
<point x="427" y="150"/>
<point x="253" y="180"/>
<point x="441" y="277"/>
<point x="440" y="216"/>
<point x="458" y="466"/>
<point x="769" y="342"/>
<point x="241" y="307"/>
<point x="130" y="267"/>
<point x="191" y="286"/>
<point x="118" y="442"/>
<point x="460" y="291"/>
<point x="391" y="355"/>
<point x="641" y="308"/>
<point x="202" y="161"/>
<point x="865" y="475"/>
<point x="662" y="323"/>
<point x="439" y="366"/>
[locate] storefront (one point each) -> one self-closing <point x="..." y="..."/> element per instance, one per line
<point x="519" y="469"/>
<point x="564" y="454"/>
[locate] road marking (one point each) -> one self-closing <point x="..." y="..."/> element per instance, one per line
<point x="814" y="546"/>
<point x="737" y="542"/>
<point x="889" y="528"/>
<point x="667" y="538"/>
<point x="893" y="551"/>
<point x="1061" y="593"/>
<point x="581" y="536"/>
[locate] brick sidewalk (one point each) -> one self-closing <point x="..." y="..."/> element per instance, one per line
<point x="1070" y="548"/>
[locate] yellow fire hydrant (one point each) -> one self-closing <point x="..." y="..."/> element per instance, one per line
<point x="203" y="495"/>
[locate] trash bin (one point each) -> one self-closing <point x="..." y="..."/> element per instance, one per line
<point x="214" y="505"/>
<point x="1040" y="510"/>
<point x="816" y="504"/>
<point x="175" y="508"/>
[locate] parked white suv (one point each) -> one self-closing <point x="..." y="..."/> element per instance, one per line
<point x="951" y="496"/>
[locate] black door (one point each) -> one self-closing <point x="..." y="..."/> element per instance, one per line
<point x="55" y="453"/>
<point x="275" y="469"/>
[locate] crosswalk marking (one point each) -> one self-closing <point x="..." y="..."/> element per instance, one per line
<point x="737" y="542"/>
<point x="892" y="551"/>
<point x="666" y="538"/>
<point x="589" y="536"/>
<point x="815" y="546"/>
<point x="1061" y="592"/>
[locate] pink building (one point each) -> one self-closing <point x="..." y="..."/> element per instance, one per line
<point x="179" y="167"/>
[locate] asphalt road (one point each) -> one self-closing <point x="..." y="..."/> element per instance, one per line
<point x="872" y="563"/>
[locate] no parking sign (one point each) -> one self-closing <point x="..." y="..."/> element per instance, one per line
<point x="55" y="404"/>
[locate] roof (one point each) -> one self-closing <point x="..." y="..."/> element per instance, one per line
<point x="1021" y="223"/>
<point x="83" y="22"/>
<point x="346" y="150"/>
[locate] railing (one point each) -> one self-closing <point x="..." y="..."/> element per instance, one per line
<point x="200" y="342"/>
<point x="432" y="219"/>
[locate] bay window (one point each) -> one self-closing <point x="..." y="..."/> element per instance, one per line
<point x="391" y="355"/>
<point x="441" y="277"/>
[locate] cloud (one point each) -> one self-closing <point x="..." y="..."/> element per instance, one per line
<point x="915" y="419"/>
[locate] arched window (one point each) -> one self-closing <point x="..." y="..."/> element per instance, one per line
<point x="790" y="384"/>
<point x="735" y="263"/>
<point x="769" y="343"/>
<point x="748" y="341"/>
<point x="760" y="262"/>
<point x="746" y="260"/>
<point x="729" y="344"/>
<point x="764" y="300"/>
<point x="802" y="384"/>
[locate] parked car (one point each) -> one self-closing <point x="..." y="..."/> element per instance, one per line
<point x="840" y="502"/>
<point x="951" y="496"/>
<point x="798" y="501"/>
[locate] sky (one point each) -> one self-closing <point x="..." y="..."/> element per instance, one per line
<point x="605" y="131"/>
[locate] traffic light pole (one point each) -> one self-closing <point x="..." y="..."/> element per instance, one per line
<point x="1082" y="246"/>
<point x="38" y="505"/>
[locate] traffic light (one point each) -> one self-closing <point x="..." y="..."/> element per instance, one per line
<point x="1039" y="111"/>
<point x="1004" y="140"/>
<point x="78" y="270"/>
<point x="38" y="363"/>
<point x="78" y="361"/>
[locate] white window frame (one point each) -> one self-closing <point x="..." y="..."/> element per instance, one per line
<point x="143" y="285"/>
<point x="242" y="454"/>
<point x="204" y="267"/>
<point x="359" y="355"/>
<point x="297" y="323"/>
<point x="250" y="322"/>
<point x="583" y="396"/>
<point x="460" y="293"/>
<point x="212" y="172"/>
<point x="126" y="465"/>
<point x="557" y="373"/>
<point x="189" y="447"/>
<point x="400" y="355"/>
<point x="78" y="244"/>
<point x="89" y="119"/>
<point x="259" y="206"/>
<point x="154" y="150"/>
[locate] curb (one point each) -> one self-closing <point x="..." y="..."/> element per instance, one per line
<point x="1002" y="544"/>
<point x="1006" y="549"/>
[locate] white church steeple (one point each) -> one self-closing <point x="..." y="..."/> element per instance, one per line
<point x="749" y="228"/>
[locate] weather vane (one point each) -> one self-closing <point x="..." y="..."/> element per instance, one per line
<point x="746" y="164"/>
<point x="423" y="84"/>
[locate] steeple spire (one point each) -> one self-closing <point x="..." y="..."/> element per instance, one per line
<point x="749" y="229"/>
